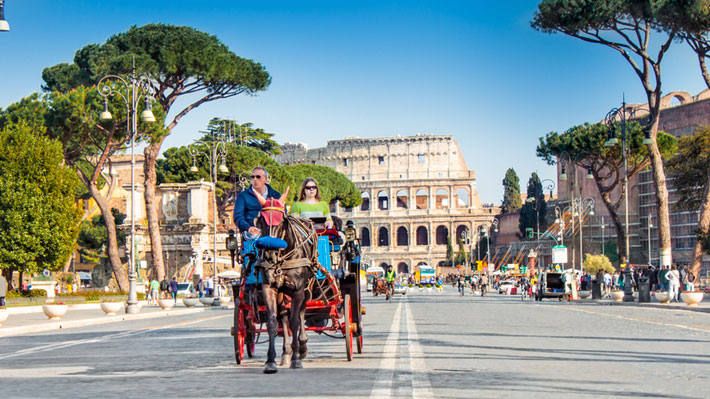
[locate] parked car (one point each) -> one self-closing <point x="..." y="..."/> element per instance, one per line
<point x="551" y="285"/>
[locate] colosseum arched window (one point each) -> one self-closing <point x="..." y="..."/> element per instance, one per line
<point x="422" y="199"/>
<point x="461" y="199"/>
<point x="365" y="206"/>
<point x="402" y="236"/>
<point x="383" y="237"/>
<point x="402" y="268"/>
<point x="460" y="232"/>
<point x="422" y="236"/>
<point x="365" y="237"/>
<point x="402" y="199"/>
<point x="441" y="199"/>
<point x="442" y="233"/>
<point x="382" y="201"/>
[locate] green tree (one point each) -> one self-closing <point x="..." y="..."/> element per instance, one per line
<point x="93" y="235"/>
<point x="39" y="220"/>
<point x="243" y="134"/>
<point x="461" y="256"/>
<point x="690" y="170"/>
<point x="584" y="144"/>
<point x="449" y="252"/>
<point x="533" y="212"/>
<point x="333" y="185"/>
<point x="72" y="118"/>
<point x="630" y="28"/>
<point x="511" y="192"/>
<point x="183" y="63"/>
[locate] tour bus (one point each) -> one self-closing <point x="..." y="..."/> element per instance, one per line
<point x="425" y="274"/>
<point x="372" y="273"/>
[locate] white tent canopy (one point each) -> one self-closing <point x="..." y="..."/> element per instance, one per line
<point x="229" y="274"/>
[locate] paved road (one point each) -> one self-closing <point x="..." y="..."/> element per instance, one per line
<point x="422" y="345"/>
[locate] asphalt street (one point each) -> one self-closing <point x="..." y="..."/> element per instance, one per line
<point x="421" y="345"/>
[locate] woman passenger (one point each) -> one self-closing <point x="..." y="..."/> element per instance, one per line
<point x="310" y="204"/>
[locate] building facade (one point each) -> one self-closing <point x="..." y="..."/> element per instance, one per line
<point x="417" y="195"/>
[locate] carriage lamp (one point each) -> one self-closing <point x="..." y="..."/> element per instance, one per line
<point x="231" y="241"/>
<point x="350" y="231"/>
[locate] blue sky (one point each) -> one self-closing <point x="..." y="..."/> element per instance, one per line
<point x="474" y="70"/>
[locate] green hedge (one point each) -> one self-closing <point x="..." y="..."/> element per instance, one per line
<point x="26" y="294"/>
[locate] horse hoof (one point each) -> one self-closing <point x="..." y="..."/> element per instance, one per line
<point x="285" y="361"/>
<point x="270" y="368"/>
<point x="303" y="353"/>
<point x="297" y="364"/>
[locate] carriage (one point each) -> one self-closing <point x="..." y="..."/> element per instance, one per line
<point x="332" y="304"/>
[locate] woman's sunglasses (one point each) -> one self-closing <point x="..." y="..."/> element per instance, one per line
<point x="311" y="188"/>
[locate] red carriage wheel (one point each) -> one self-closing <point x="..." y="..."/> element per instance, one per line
<point x="347" y="311"/>
<point x="358" y="342"/>
<point x="250" y="344"/>
<point x="239" y="333"/>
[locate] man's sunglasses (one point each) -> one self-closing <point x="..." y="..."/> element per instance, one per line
<point x="256" y="177"/>
<point x="311" y="188"/>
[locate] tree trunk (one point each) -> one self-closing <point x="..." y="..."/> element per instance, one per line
<point x="151" y="208"/>
<point x="7" y="273"/>
<point x="659" y="178"/>
<point x="119" y="270"/>
<point x="618" y="226"/>
<point x="703" y="225"/>
<point x="67" y="264"/>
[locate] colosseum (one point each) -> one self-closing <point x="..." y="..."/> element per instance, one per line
<point x="416" y="190"/>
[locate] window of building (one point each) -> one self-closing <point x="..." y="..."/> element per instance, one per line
<point x="420" y="158"/>
<point x="402" y="199"/>
<point x="381" y="160"/>
<point x="382" y="201"/>
<point x="365" y="206"/>
<point x="422" y="236"/>
<point x="402" y="237"/>
<point x="346" y="162"/>
<point x="365" y="237"/>
<point x="383" y="238"/>
<point x="442" y="234"/>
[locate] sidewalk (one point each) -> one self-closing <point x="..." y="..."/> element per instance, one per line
<point x="31" y="319"/>
<point x="703" y="306"/>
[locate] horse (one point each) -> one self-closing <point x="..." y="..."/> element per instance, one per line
<point x="285" y="272"/>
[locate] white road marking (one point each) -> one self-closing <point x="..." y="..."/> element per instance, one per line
<point x="628" y="318"/>
<point x="382" y="389"/>
<point x="420" y="381"/>
<point x="67" y="344"/>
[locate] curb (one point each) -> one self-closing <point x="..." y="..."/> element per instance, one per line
<point x="60" y="325"/>
<point x="701" y="309"/>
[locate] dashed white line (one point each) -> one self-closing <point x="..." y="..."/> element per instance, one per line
<point x="382" y="389"/>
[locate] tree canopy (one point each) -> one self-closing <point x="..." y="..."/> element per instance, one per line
<point x="333" y="185"/>
<point x="39" y="221"/>
<point x="511" y="192"/>
<point x="244" y="134"/>
<point x="534" y="210"/>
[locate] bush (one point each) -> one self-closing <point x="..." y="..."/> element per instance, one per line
<point x="595" y="263"/>
<point x="26" y="294"/>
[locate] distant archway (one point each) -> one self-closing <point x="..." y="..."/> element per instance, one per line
<point x="461" y="198"/>
<point x="422" y="236"/>
<point x="402" y="268"/>
<point x="365" y="206"/>
<point x="382" y="201"/>
<point x="402" y="199"/>
<point x="442" y="233"/>
<point x="383" y="238"/>
<point x="422" y="199"/>
<point x="365" y="237"/>
<point x="442" y="199"/>
<point x="402" y="236"/>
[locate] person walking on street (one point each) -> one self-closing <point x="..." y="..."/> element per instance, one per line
<point x="164" y="287"/>
<point x="484" y="284"/>
<point x="3" y="290"/>
<point x="673" y="284"/>
<point x="154" y="289"/>
<point x="174" y="289"/>
<point x="209" y="287"/>
<point x="607" y="284"/>
<point x="690" y="285"/>
<point x="200" y="288"/>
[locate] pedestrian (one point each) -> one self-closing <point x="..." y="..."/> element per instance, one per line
<point x="607" y="284"/>
<point x="652" y="278"/>
<point x="3" y="290"/>
<point x="174" y="289"/>
<point x="200" y="288"/>
<point x="154" y="287"/>
<point x="690" y="286"/>
<point x="209" y="286"/>
<point x="164" y="287"/>
<point x="673" y="284"/>
<point x="484" y="284"/>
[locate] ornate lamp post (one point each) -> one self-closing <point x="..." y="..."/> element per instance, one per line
<point x="582" y="205"/>
<point x="213" y="150"/>
<point x="611" y="119"/>
<point x="648" y="229"/>
<point x="487" y="230"/>
<point x="131" y="89"/>
<point x="4" y="26"/>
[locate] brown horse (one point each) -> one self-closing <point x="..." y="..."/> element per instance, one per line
<point x="286" y="273"/>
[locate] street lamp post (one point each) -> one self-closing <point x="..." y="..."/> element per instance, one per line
<point x="583" y="205"/>
<point x="603" y="239"/>
<point x="131" y="89"/>
<point x="213" y="150"/>
<point x="487" y="231"/>
<point x="611" y="120"/>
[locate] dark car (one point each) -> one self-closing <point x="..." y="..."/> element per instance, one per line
<point x="551" y="285"/>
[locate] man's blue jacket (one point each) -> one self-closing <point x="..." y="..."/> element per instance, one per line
<point x="247" y="207"/>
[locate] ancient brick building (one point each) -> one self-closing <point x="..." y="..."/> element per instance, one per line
<point x="417" y="192"/>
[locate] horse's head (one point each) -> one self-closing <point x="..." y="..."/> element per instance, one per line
<point x="273" y="212"/>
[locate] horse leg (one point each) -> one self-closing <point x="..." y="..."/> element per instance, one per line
<point x="295" y="320"/>
<point x="287" y="351"/>
<point x="302" y="336"/>
<point x="272" y="326"/>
